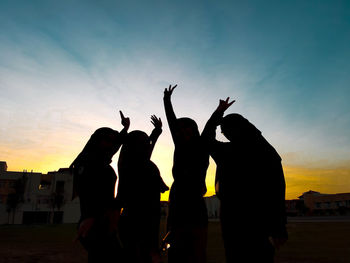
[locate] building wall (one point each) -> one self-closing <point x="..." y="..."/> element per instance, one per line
<point x="37" y="198"/>
<point x="8" y="180"/>
<point x="3" y="166"/>
<point x="213" y="206"/>
<point x="7" y="183"/>
<point x="327" y="203"/>
<point x="72" y="211"/>
<point x="3" y="215"/>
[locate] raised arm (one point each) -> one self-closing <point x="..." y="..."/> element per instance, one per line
<point x="157" y="123"/>
<point x="169" y="111"/>
<point x="125" y="122"/>
<point x="122" y="135"/>
<point x="208" y="133"/>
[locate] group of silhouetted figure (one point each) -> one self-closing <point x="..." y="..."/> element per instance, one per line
<point x="249" y="183"/>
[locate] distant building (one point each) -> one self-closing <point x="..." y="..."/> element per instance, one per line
<point x="3" y="166"/>
<point x="295" y="207"/>
<point x="27" y="198"/>
<point x="326" y="204"/>
<point x="15" y="189"/>
<point x="213" y="207"/>
<point x="32" y="198"/>
<point x="164" y="209"/>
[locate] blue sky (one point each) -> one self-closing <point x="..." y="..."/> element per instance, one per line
<point x="67" y="67"/>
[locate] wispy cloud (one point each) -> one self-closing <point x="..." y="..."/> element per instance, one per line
<point x="66" y="68"/>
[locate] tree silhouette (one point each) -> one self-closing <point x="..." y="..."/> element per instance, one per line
<point x="15" y="198"/>
<point x="56" y="201"/>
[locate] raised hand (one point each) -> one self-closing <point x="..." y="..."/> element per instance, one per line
<point x="224" y="105"/>
<point x="157" y="122"/>
<point x="125" y="120"/>
<point x="169" y="91"/>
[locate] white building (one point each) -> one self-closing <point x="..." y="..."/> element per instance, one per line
<point x="40" y="198"/>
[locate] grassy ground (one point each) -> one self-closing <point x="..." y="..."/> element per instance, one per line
<point x="308" y="243"/>
<point x="319" y="242"/>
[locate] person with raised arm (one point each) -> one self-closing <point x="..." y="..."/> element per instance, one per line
<point x="94" y="183"/>
<point x="187" y="219"/>
<point x="251" y="187"/>
<point x="139" y="192"/>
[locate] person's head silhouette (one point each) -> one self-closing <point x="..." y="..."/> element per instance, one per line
<point x="102" y="145"/>
<point x="235" y="127"/>
<point x="99" y="150"/>
<point x="188" y="129"/>
<point x="106" y="140"/>
<point x="136" y="145"/>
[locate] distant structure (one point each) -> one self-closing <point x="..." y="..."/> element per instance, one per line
<point x="3" y="166"/>
<point x="326" y="204"/>
<point x="164" y="209"/>
<point x="310" y="203"/>
<point x="316" y="203"/>
<point x="34" y="198"/>
<point x="295" y="207"/>
<point x="213" y="207"/>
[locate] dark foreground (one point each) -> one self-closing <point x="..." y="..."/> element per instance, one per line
<point x="309" y="242"/>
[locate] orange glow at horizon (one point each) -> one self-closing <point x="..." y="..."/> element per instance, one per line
<point x="299" y="179"/>
<point x="303" y="179"/>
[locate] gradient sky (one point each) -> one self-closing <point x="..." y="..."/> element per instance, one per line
<point x="67" y="67"/>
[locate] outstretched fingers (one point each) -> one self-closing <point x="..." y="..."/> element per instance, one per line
<point x="169" y="91"/>
<point x="225" y="104"/>
<point x="229" y="103"/>
<point x="125" y="120"/>
<point x="157" y="122"/>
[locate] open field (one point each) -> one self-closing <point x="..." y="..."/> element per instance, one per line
<point x="309" y="242"/>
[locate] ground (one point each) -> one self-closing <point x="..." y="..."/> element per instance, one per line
<point x="309" y="242"/>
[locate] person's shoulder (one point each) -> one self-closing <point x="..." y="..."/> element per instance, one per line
<point x="269" y="151"/>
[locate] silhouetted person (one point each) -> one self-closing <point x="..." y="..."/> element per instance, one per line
<point x="94" y="183"/>
<point x="187" y="219"/>
<point x="139" y="192"/>
<point x="251" y="188"/>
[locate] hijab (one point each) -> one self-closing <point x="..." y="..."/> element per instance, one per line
<point x="95" y="154"/>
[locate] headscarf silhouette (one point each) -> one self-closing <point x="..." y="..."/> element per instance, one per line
<point x="135" y="159"/>
<point x="238" y="129"/>
<point x="95" y="152"/>
<point x="235" y="125"/>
